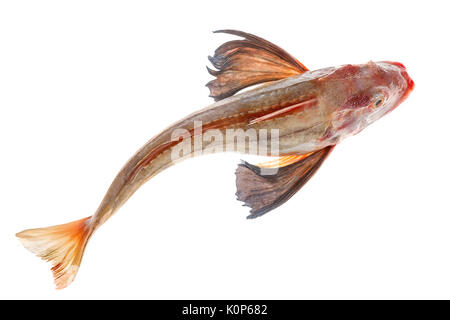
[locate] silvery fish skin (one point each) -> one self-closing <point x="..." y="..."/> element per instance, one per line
<point x="310" y="111"/>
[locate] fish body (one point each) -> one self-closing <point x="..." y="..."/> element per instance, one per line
<point x="302" y="113"/>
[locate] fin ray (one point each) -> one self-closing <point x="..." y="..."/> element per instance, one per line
<point x="244" y="63"/>
<point x="62" y="245"/>
<point x="263" y="193"/>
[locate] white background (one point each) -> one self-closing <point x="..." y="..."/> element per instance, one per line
<point x="84" y="84"/>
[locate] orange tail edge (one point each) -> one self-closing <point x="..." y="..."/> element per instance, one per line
<point x="62" y="245"/>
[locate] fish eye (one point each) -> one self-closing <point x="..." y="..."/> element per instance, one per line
<point x="378" y="100"/>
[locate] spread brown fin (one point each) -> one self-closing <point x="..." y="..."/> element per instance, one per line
<point x="263" y="193"/>
<point x="243" y="63"/>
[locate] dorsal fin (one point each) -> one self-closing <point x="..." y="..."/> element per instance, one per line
<point x="244" y="63"/>
<point x="263" y="193"/>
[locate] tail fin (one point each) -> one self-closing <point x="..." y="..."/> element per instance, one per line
<point x="62" y="245"/>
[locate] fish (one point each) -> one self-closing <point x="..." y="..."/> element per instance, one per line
<point x="264" y="97"/>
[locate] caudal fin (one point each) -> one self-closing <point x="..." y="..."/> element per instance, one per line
<point x="62" y="245"/>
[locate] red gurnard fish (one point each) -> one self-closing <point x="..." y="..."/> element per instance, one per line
<point x="312" y="111"/>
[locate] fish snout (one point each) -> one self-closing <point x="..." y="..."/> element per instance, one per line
<point x="409" y="82"/>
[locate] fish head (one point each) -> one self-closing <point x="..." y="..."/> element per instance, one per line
<point x="366" y="93"/>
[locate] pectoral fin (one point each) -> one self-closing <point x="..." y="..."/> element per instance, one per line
<point x="263" y="193"/>
<point x="243" y="63"/>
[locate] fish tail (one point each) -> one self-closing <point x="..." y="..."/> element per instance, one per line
<point x="62" y="245"/>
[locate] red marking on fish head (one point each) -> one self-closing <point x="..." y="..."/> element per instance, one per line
<point x="410" y="85"/>
<point x="357" y="101"/>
